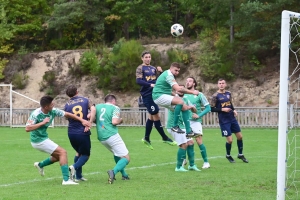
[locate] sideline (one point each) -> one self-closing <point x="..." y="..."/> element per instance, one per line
<point x="91" y="173"/>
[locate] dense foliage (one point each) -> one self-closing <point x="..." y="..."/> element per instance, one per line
<point x="228" y="29"/>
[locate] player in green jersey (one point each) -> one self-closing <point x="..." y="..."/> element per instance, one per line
<point x="107" y="118"/>
<point x="162" y="96"/>
<point x="186" y="145"/>
<point x="196" y="118"/>
<point x="37" y="125"/>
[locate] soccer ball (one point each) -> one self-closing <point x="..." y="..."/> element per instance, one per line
<point x="176" y="30"/>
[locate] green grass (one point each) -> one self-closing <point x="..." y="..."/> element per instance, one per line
<point x="152" y="172"/>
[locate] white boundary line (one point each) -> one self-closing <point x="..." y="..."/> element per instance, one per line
<point x="91" y="173"/>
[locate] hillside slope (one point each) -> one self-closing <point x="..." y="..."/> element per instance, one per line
<point x="248" y="93"/>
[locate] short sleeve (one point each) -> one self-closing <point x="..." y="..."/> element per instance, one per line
<point x="116" y="112"/>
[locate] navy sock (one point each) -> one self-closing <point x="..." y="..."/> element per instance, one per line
<point x="78" y="165"/>
<point x="228" y="148"/>
<point x="75" y="158"/>
<point x="149" y="125"/>
<point x="240" y="146"/>
<point x="160" y="129"/>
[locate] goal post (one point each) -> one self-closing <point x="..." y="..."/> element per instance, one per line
<point x="289" y="22"/>
<point x="10" y="102"/>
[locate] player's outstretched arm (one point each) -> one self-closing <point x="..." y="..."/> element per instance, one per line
<point x="183" y="90"/>
<point x="117" y="121"/>
<point x="206" y="110"/>
<point x="92" y="114"/>
<point x="31" y="127"/>
<point x="83" y="121"/>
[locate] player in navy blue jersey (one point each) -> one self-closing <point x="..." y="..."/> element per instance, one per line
<point x="146" y="76"/>
<point x="79" y="139"/>
<point x="221" y="103"/>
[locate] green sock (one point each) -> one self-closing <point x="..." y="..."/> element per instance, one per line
<point x="123" y="170"/>
<point x="191" y="154"/>
<point x="45" y="162"/>
<point x="203" y="152"/>
<point x="181" y="155"/>
<point x="177" y="111"/>
<point x="186" y="117"/>
<point x="65" y="172"/>
<point x="121" y="164"/>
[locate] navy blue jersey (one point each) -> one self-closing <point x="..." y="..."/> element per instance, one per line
<point x="145" y="76"/>
<point x="223" y="100"/>
<point x="79" y="106"/>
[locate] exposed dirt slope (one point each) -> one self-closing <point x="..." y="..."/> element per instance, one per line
<point x="245" y="92"/>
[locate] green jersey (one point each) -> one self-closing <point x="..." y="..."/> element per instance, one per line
<point x="40" y="134"/>
<point x="170" y="122"/>
<point x="198" y="101"/>
<point x="104" y="115"/>
<point x="164" y="84"/>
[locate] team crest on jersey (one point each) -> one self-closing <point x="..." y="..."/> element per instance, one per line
<point x="153" y="70"/>
<point x="228" y="96"/>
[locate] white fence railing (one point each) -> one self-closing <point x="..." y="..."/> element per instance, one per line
<point x="247" y="117"/>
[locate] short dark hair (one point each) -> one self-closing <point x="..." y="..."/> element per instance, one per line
<point x="221" y="79"/>
<point x="194" y="80"/>
<point x="144" y="53"/>
<point x="45" y="101"/>
<point x="109" y="98"/>
<point x="71" y="90"/>
<point x="175" y="64"/>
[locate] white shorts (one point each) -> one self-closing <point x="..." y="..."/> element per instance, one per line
<point x="179" y="138"/>
<point x="47" y="146"/>
<point x="196" y="127"/>
<point x="116" y="145"/>
<point x="165" y="101"/>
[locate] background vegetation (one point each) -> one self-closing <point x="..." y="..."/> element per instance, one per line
<point x="236" y="36"/>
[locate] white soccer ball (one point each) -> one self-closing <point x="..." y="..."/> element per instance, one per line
<point x="176" y="30"/>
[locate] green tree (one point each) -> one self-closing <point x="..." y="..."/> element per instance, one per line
<point x="6" y="35"/>
<point x="77" y="23"/>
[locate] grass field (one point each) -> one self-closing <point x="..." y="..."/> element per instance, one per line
<point x="151" y="171"/>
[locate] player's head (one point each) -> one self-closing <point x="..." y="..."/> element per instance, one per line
<point x="71" y="91"/>
<point x="191" y="83"/>
<point x="179" y="93"/>
<point x="110" y="98"/>
<point x="146" y="57"/>
<point x="175" y="68"/>
<point x="46" y="103"/>
<point x="221" y="84"/>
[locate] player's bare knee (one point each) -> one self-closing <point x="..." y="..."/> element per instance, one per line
<point x="183" y="146"/>
<point x="239" y="136"/>
<point x="199" y="140"/>
<point x="229" y="140"/>
<point x="185" y="107"/>
<point x="127" y="157"/>
<point x="190" y="142"/>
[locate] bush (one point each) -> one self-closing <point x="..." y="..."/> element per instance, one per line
<point x="89" y="62"/>
<point x="216" y="57"/>
<point x="117" y="68"/>
<point x="50" y="84"/>
<point x="20" y="80"/>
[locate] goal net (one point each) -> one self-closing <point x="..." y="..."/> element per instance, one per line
<point x="288" y="172"/>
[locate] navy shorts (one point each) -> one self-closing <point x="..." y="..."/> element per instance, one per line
<point x="152" y="107"/>
<point x="81" y="143"/>
<point x="228" y="128"/>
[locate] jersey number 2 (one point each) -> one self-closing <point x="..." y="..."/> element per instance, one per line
<point x="103" y="110"/>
